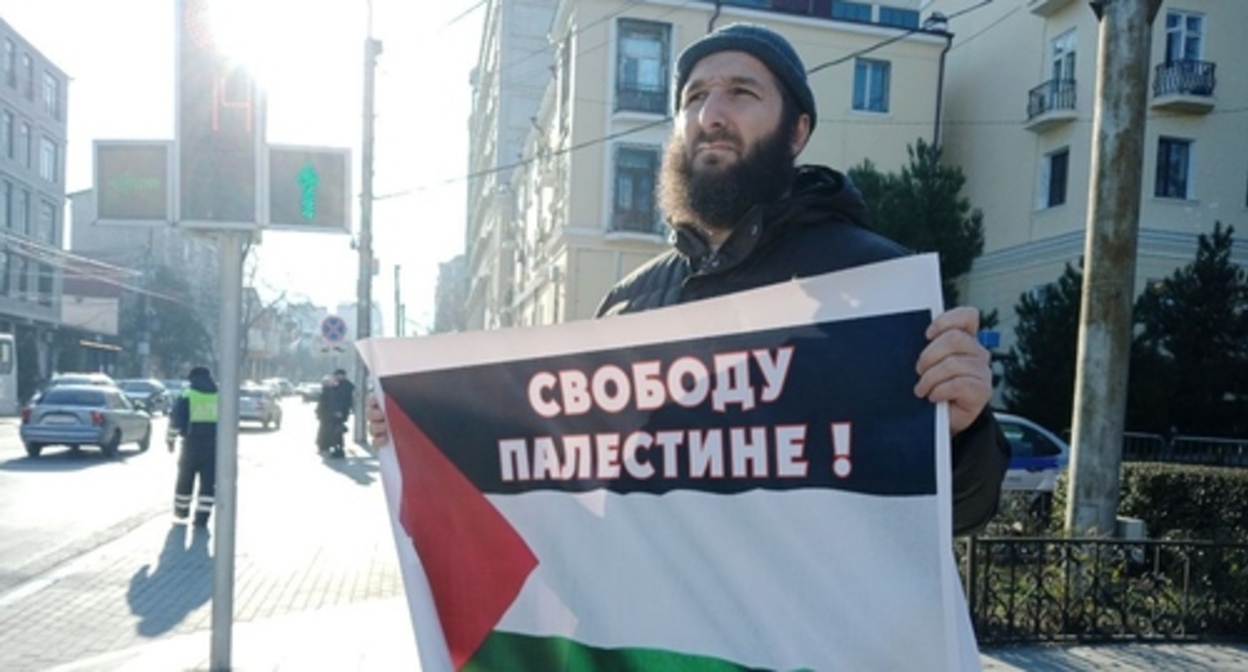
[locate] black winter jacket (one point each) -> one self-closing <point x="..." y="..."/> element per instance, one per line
<point x="820" y="227"/>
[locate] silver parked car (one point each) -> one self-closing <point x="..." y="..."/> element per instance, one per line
<point x="259" y="404"/>
<point x="77" y="415"/>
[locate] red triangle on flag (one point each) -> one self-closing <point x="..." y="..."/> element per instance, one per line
<point x="475" y="561"/>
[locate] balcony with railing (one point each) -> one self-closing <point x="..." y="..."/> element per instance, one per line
<point x="1050" y="105"/>
<point x="1184" y="86"/>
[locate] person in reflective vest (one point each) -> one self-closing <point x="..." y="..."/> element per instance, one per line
<point x="194" y="417"/>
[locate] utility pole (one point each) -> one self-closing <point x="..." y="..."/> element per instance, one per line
<point x="1109" y="263"/>
<point x="145" y="340"/>
<point x="398" y="302"/>
<point x="364" y="309"/>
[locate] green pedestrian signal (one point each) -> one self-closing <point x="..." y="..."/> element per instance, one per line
<point x="309" y="188"/>
<point x="309" y="180"/>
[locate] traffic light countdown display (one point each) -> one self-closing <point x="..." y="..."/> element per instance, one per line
<point x="220" y="121"/>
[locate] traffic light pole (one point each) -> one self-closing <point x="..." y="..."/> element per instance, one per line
<point x="231" y="244"/>
<point x="364" y="308"/>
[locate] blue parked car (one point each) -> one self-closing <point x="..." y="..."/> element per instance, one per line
<point x="78" y="415"/>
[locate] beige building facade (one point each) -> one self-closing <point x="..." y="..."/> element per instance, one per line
<point x="1020" y="96"/>
<point x="1007" y="88"/>
<point x="579" y="212"/>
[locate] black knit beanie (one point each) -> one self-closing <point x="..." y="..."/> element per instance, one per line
<point x="762" y="43"/>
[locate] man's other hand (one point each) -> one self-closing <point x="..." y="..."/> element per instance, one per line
<point x="954" y="367"/>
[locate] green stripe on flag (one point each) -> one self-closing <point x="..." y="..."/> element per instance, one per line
<point x="513" y="653"/>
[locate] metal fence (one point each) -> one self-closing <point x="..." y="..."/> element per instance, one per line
<point x="1051" y="589"/>
<point x="1214" y="451"/>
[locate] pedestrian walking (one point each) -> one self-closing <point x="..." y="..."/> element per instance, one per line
<point x="332" y="411"/>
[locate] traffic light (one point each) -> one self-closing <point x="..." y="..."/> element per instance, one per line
<point x="220" y="121"/>
<point x="132" y="181"/>
<point x="309" y="188"/>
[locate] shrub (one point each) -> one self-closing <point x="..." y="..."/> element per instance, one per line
<point x="1175" y="501"/>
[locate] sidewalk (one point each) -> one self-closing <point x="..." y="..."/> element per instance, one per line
<point x="317" y="588"/>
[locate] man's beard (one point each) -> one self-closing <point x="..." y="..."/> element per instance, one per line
<point x="718" y="197"/>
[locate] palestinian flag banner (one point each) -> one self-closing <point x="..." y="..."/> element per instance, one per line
<point x="742" y="483"/>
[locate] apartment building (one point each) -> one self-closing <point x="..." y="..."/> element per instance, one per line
<point x="1019" y="108"/>
<point x="32" y="195"/>
<point x="513" y="70"/>
<point x="580" y="208"/>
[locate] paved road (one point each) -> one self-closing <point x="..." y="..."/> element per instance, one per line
<point x="64" y="503"/>
<point x="302" y="545"/>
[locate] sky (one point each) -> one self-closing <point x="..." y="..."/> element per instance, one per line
<point x="118" y="55"/>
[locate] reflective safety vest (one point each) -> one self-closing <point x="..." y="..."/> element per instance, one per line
<point x="203" y="406"/>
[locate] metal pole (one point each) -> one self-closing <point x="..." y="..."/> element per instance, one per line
<point x="1118" y="122"/>
<point x="398" y="302"/>
<point x="227" y="450"/>
<point x="364" y="309"/>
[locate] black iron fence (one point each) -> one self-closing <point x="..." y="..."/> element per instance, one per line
<point x="1052" y="589"/>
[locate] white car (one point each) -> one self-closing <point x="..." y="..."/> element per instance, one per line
<point x="1038" y="454"/>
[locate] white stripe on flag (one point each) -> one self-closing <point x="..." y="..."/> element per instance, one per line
<point x="749" y="578"/>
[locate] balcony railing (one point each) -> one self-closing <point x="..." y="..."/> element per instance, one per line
<point x="1051" y="103"/>
<point x="1185" y="86"/>
<point x="641" y="98"/>
<point x="1055" y="94"/>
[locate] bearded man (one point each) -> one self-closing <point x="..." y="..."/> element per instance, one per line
<point x="745" y="215"/>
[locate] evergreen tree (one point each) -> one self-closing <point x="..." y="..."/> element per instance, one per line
<point x="1196" y="322"/>
<point x="179" y="339"/>
<point x="922" y="209"/>
<point x="1039" y="370"/>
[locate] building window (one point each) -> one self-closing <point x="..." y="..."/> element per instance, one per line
<point x="1184" y="36"/>
<point x="47" y="159"/>
<point x="10" y="63"/>
<point x="6" y="263"/>
<point x="6" y="134"/>
<point x="23" y="144"/>
<point x="1174" y="166"/>
<point x="641" y="67"/>
<point x="1063" y="58"/>
<point x="6" y="204"/>
<point x="28" y="76"/>
<point x="1054" y="174"/>
<point x="23" y="276"/>
<point x="46" y="275"/>
<point x="51" y="95"/>
<point x="901" y="18"/>
<point x="636" y="172"/>
<point x="565" y="85"/>
<point x="23" y="213"/>
<point x="46" y="232"/>
<point x="851" y="11"/>
<point x="871" y="85"/>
